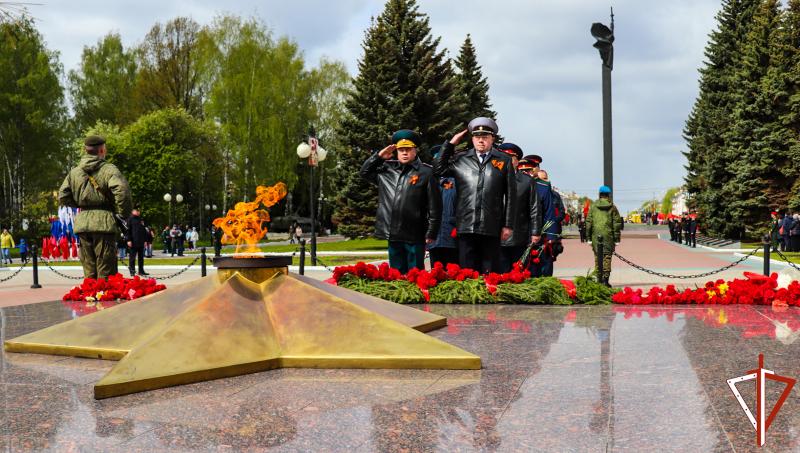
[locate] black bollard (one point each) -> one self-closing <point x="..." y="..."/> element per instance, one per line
<point x="35" y="258"/>
<point x="767" y="246"/>
<point x="600" y="259"/>
<point x="302" y="256"/>
<point x="202" y="261"/>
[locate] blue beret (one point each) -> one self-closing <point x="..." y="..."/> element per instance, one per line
<point x="482" y="124"/>
<point x="605" y="189"/>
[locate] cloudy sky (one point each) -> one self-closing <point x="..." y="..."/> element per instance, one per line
<point x="538" y="56"/>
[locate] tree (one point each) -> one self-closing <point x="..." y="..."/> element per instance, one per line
<point x="751" y="158"/>
<point x="103" y="88"/>
<point x="404" y="82"/>
<point x="32" y="118"/>
<point x="472" y="85"/>
<point x="261" y="95"/>
<point x="707" y="128"/>
<point x="666" y="202"/>
<point x="781" y="87"/>
<point x="169" y="66"/>
<point x="168" y="151"/>
<point x="330" y="84"/>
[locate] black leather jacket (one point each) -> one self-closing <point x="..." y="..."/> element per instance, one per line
<point x="527" y="215"/>
<point x="409" y="199"/>
<point x="485" y="201"/>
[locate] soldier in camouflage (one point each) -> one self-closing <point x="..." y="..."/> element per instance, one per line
<point x="100" y="191"/>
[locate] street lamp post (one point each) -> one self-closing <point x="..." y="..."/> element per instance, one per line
<point x="605" y="45"/>
<point x="168" y="198"/>
<point x="211" y="210"/>
<point x="315" y="154"/>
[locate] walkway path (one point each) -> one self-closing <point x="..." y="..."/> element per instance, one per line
<point x="642" y="246"/>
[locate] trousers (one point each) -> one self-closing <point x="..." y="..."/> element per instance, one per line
<point x="406" y="255"/>
<point x="98" y="254"/>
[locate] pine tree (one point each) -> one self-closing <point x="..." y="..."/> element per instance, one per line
<point x="783" y="88"/>
<point x="404" y="82"/>
<point x="472" y="85"/>
<point x="708" y="125"/>
<point x="749" y="157"/>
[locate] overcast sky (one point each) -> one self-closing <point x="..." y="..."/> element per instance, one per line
<point x="538" y="56"/>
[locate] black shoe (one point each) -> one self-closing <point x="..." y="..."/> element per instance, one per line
<point x="143" y="274"/>
<point x="132" y="273"/>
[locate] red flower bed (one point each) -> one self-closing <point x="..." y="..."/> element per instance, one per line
<point x="116" y="287"/>
<point x="754" y="289"/>
<point x="426" y="280"/>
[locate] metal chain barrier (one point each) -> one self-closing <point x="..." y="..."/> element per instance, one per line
<point x="324" y="265"/>
<point x="704" y="274"/>
<point x="61" y="274"/>
<point x="167" y="277"/>
<point x="783" y="257"/>
<point x="5" y="279"/>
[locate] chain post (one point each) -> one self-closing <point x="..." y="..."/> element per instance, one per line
<point x="766" y="240"/>
<point x="302" y="256"/>
<point x="35" y="258"/>
<point x="203" y="262"/>
<point x="599" y="259"/>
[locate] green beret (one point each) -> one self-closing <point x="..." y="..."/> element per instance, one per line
<point x="94" y="140"/>
<point x="406" y="134"/>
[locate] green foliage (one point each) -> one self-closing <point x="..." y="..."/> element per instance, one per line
<point x="168" y="151"/>
<point x="590" y="292"/>
<point x="666" y="202"/>
<point x="169" y="67"/>
<point x="32" y="119"/>
<point x="472" y="85"/>
<point x="742" y="134"/>
<point x="541" y="290"/>
<point x="404" y="82"/>
<point x="265" y="100"/>
<point x="102" y="89"/>
<point x="471" y="291"/>
<point x="400" y="291"/>
<point x="353" y="245"/>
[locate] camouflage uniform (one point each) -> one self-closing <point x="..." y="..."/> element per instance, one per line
<point x="95" y="224"/>
<point x="604" y="221"/>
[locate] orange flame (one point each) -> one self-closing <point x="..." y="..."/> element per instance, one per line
<point x="243" y="224"/>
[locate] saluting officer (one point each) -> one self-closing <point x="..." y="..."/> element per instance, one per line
<point x="409" y="200"/>
<point x="485" y="189"/>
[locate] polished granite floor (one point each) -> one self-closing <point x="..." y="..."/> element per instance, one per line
<point x="559" y="379"/>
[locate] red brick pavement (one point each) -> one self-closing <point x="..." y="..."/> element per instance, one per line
<point x="641" y="247"/>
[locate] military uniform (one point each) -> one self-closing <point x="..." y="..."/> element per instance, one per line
<point x="443" y="249"/>
<point x="95" y="224"/>
<point x="409" y="204"/>
<point x="693" y="231"/>
<point x="486" y="187"/>
<point x="527" y="217"/>
<point x="550" y="235"/>
<point x="604" y="221"/>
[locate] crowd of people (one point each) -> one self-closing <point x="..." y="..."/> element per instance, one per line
<point x="683" y="229"/>
<point x="482" y="207"/>
<point x="785" y="232"/>
<point x="178" y="238"/>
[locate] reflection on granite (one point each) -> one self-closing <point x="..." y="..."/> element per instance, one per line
<point x="554" y="379"/>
